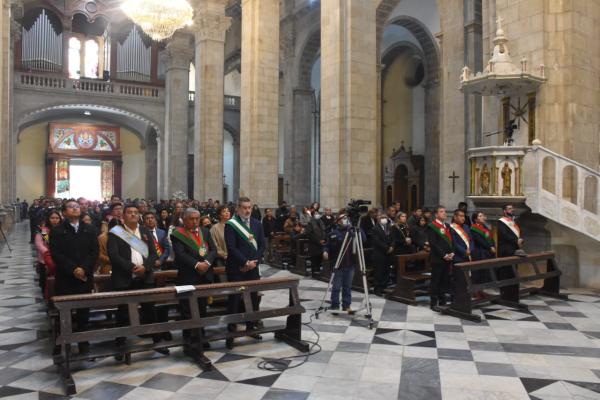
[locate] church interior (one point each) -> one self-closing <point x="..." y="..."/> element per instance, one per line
<point x="407" y="104"/>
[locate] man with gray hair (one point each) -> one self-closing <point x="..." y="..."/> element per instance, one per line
<point x="245" y="242"/>
<point x="195" y="252"/>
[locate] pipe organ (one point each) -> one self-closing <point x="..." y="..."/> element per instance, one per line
<point x="42" y="47"/>
<point x="134" y="58"/>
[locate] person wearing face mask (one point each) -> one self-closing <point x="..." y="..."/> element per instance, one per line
<point x="381" y="239"/>
<point x="316" y="233"/>
<point x="342" y="278"/>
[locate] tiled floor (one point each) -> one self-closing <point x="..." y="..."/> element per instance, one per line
<point x="551" y="352"/>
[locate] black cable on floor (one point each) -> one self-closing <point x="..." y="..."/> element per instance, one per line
<point x="284" y="363"/>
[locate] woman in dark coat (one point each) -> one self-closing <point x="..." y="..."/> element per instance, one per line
<point x="484" y="246"/>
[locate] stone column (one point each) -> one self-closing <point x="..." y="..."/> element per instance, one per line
<point x="301" y="165"/>
<point x="210" y="26"/>
<point x="173" y="144"/>
<point x="259" y="147"/>
<point x="6" y="150"/>
<point x="349" y="101"/>
<point x="473" y="58"/>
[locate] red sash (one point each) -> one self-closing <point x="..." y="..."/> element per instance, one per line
<point x="442" y="230"/>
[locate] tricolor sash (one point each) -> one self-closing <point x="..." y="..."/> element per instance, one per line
<point x="195" y="243"/>
<point x="133" y="241"/>
<point x="441" y="230"/>
<point x="242" y="230"/>
<point x="512" y="226"/>
<point x="483" y="231"/>
<point x="159" y="249"/>
<point x="462" y="234"/>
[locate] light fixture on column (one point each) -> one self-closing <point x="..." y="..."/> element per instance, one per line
<point x="159" y="18"/>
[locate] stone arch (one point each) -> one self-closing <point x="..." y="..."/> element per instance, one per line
<point x="135" y="122"/>
<point x="431" y="60"/>
<point x="427" y="43"/>
<point x="310" y="50"/>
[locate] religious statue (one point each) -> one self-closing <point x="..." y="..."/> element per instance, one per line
<point x="465" y="74"/>
<point x="484" y="179"/>
<point x="506" y="183"/>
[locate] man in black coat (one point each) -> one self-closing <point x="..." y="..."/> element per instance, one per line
<point x="440" y="256"/>
<point x="381" y="240"/>
<point x="316" y="233"/>
<point x="132" y="255"/>
<point x="245" y="242"/>
<point x="509" y="233"/>
<point x="74" y="249"/>
<point x="194" y="251"/>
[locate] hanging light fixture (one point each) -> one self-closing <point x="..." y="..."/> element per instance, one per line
<point x="159" y="19"/>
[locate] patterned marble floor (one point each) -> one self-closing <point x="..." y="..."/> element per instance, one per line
<point x="551" y="352"/>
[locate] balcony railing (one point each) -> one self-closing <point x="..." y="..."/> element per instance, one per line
<point x="61" y="84"/>
<point x="229" y="102"/>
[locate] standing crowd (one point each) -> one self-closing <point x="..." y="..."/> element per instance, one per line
<point x="77" y="239"/>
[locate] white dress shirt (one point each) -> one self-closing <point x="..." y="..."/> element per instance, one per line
<point x="136" y="256"/>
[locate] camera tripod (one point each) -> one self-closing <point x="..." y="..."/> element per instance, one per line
<point x="354" y="239"/>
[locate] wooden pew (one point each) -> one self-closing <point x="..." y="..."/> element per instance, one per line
<point x="289" y="332"/>
<point x="281" y="250"/>
<point x="510" y="287"/>
<point x="301" y="256"/>
<point x="412" y="282"/>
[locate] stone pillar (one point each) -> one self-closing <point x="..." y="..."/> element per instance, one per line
<point x="259" y="147"/>
<point x="6" y="150"/>
<point x="301" y="145"/>
<point x="210" y="26"/>
<point x="173" y="143"/>
<point x="473" y="58"/>
<point x="151" y="164"/>
<point x="452" y="138"/>
<point x="431" y="179"/>
<point x="349" y="101"/>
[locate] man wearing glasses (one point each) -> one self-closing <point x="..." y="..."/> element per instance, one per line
<point x="74" y="249"/>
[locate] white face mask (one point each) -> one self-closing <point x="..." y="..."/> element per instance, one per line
<point x="345" y="222"/>
<point x="383" y="221"/>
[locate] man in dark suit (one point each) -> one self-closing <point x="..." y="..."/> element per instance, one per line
<point x="245" y="248"/>
<point x="159" y="238"/>
<point x="74" y="249"/>
<point x="316" y="233"/>
<point x="133" y="256"/>
<point x="381" y="240"/>
<point x="440" y="256"/>
<point x="195" y="252"/>
<point x="509" y="233"/>
<point x="462" y="239"/>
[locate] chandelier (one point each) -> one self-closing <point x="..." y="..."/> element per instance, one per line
<point x="159" y="19"/>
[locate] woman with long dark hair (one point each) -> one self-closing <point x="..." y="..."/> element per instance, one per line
<point x="47" y="267"/>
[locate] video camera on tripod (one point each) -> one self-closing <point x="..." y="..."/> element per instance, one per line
<point x="355" y="209"/>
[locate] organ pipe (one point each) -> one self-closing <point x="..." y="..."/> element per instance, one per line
<point x="42" y="46"/>
<point x="134" y="58"/>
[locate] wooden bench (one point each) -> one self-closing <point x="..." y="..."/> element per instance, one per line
<point x="509" y="289"/>
<point x="281" y="250"/>
<point x="411" y="282"/>
<point x="301" y="256"/>
<point x="289" y="332"/>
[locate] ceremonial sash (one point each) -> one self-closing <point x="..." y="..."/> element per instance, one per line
<point x="512" y="226"/>
<point x="442" y="231"/>
<point x="133" y="241"/>
<point x="483" y="231"/>
<point x="462" y="234"/>
<point x="242" y="230"/>
<point x="159" y="249"/>
<point x="195" y="243"/>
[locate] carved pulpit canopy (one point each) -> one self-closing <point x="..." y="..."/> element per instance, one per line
<point x="501" y="77"/>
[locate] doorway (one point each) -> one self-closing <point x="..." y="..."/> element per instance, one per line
<point x="85" y="179"/>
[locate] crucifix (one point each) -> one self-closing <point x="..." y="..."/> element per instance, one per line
<point x="454" y="177"/>
<point x="287" y="186"/>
